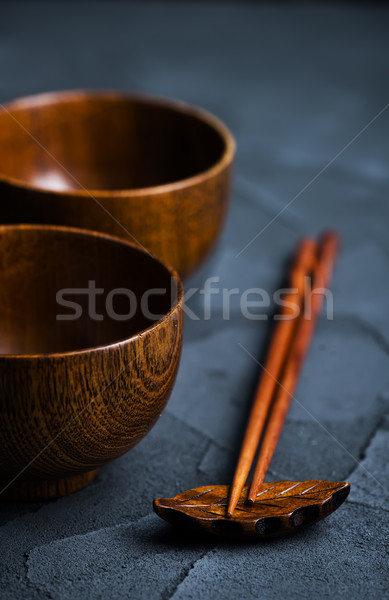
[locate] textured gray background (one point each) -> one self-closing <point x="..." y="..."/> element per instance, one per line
<point x="295" y="83"/>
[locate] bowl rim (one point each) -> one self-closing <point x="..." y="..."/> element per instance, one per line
<point x="185" y="108"/>
<point x="117" y="344"/>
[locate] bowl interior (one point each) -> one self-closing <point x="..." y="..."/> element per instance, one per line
<point x="63" y="290"/>
<point x="104" y="142"/>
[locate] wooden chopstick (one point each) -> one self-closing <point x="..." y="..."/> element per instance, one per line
<point x="304" y="258"/>
<point x="328" y="250"/>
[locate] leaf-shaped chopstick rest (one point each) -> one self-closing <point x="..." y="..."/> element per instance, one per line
<point x="281" y="508"/>
<point x="270" y="509"/>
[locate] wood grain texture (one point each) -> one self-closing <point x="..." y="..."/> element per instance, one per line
<point x="76" y="394"/>
<point x="299" y="268"/>
<point x="327" y="251"/>
<point x="160" y="170"/>
<point x="281" y="508"/>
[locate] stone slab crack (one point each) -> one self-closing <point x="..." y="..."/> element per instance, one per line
<point x="366" y="327"/>
<point x="192" y="566"/>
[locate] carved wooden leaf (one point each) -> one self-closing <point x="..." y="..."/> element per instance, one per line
<point x="281" y="507"/>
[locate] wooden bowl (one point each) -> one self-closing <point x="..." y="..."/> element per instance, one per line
<point x="152" y="171"/>
<point x="77" y="392"/>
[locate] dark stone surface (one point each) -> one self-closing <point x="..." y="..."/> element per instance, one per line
<point x="298" y="85"/>
<point x="345" y="556"/>
<point x="138" y="560"/>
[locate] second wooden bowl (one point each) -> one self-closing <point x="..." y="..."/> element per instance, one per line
<point x="90" y="340"/>
<point x="155" y="172"/>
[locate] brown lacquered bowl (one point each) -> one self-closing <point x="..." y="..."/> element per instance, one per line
<point x="90" y="340"/>
<point x="152" y="171"/>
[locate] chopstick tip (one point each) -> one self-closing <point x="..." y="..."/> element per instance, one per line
<point x="330" y="235"/>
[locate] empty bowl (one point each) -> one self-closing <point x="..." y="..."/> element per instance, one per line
<point x="152" y="171"/>
<point x="90" y="340"/>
